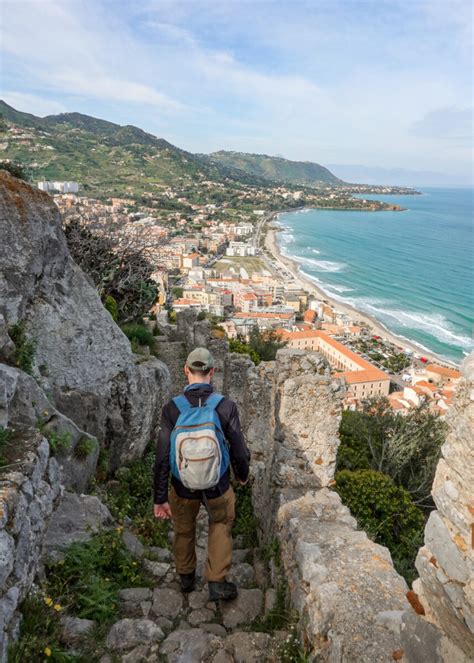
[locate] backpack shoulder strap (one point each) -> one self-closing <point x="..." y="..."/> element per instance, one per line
<point x="213" y="400"/>
<point x="182" y="403"/>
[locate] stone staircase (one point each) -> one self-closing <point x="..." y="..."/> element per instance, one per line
<point x="162" y="624"/>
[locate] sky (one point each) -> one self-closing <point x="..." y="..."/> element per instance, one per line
<point x="376" y="82"/>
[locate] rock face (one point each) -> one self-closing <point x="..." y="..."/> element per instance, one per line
<point x="446" y="561"/>
<point x="23" y="402"/>
<point x="28" y="494"/>
<point x="82" y="360"/>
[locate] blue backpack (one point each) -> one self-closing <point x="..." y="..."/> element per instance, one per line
<point x="199" y="455"/>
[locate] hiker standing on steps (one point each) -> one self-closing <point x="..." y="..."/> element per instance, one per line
<point x="200" y="437"/>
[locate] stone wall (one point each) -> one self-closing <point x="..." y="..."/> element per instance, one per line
<point x="446" y="561"/>
<point x="352" y="602"/>
<point x="177" y="341"/>
<point x="29" y="490"/>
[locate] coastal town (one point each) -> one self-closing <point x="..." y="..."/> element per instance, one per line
<point x="224" y="263"/>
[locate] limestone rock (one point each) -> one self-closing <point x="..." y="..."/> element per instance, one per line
<point x="249" y="647"/>
<point x="132" y="544"/>
<point x="246" y="607"/>
<point x="135" y="594"/>
<point x="200" y="599"/>
<point x="156" y="569"/>
<point x="446" y="563"/>
<point x="128" y="633"/>
<point x="77" y="518"/>
<point x="190" y="646"/>
<point x="7" y="558"/>
<point x="215" y="629"/>
<point x="87" y="366"/>
<point x="159" y="554"/>
<point x="74" y="629"/>
<point x="242" y="574"/>
<point x="167" y="603"/>
<point x="197" y="617"/>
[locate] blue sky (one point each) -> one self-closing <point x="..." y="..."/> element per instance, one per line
<point x="378" y="82"/>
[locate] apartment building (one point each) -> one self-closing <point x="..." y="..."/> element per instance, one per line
<point x="363" y="380"/>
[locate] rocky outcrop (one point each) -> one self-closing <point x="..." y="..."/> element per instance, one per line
<point x="82" y="360"/>
<point x="29" y="489"/>
<point x="23" y="402"/>
<point x="446" y="561"/>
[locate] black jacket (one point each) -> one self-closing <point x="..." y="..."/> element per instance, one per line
<point x="239" y="454"/>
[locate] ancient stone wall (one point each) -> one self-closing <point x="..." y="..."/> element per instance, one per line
<point x="352" y="602"/>
<point x="446" y="561"/>
<point x="29" y="490"/>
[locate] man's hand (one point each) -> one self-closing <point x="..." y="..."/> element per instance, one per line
<point x="162" y="511"/>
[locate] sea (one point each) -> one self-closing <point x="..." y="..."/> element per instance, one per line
<point x="412" y="270"/>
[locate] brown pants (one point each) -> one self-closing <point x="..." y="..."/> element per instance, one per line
<point x="221" y="512"/>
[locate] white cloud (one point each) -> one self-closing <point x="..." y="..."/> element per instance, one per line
<point x="72" y="53"/>
<point x="33" y="103"/>
<point x="317" y="81"/>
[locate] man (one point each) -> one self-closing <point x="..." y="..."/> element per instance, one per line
<point x="183" y="504"/>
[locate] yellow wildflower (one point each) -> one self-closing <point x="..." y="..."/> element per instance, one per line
<point x="57" y="607"/>
<point x="48" y="600"/>
<point x="47" y="651"/>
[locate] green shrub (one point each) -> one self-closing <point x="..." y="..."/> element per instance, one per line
<point x="24" y="348"/>
<point x="245" y="523"/>
<point x="89" y="577"/>
<point x="386" y="512"/>
<point x="172" y="317"/>
<point x="111" y="305"/>
<point x="131" y="495"/>
<point x="139" y="333"/>
<point x="40" y="633"/>
<point x="235" y="345"/>
<point x="58" y="442"/>
<point x="84" y="447"/>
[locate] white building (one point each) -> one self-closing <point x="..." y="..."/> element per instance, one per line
<point x="240" y="249"/>
<point x="63" y="187"/>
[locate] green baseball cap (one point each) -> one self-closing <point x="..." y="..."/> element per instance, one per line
<point x="200" y="359"/>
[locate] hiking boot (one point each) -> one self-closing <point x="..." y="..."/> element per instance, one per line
<point x="222" y="591"/>
<point x="188" y="580"/>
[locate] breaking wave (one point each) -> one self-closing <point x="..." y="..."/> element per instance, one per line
<point x="321" y="265"/>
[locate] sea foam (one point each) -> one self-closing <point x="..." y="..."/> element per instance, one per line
<point x="321" y="265"/>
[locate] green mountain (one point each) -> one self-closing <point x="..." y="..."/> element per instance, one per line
<point x="277" y="169"/>
<point x="103" y="156"/>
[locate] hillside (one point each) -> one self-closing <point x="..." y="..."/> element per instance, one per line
<point x="104" y="156"/>
<point x="276" y="168"/>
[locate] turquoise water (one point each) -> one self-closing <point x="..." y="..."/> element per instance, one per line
<point x="411" y="270"/>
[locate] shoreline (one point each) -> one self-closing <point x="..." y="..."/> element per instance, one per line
<point x="270" y="242"/>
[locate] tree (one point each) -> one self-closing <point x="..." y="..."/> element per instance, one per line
<point x="177" y="292"/>
<point x="407" y="448"/>
<point x="117" y="263"/>
<point x="237" y="345"/>
<point x="266" y="344"/>
<point x="15" y="169"/>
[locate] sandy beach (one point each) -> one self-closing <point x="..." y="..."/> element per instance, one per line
<point x="282" y="261"/>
